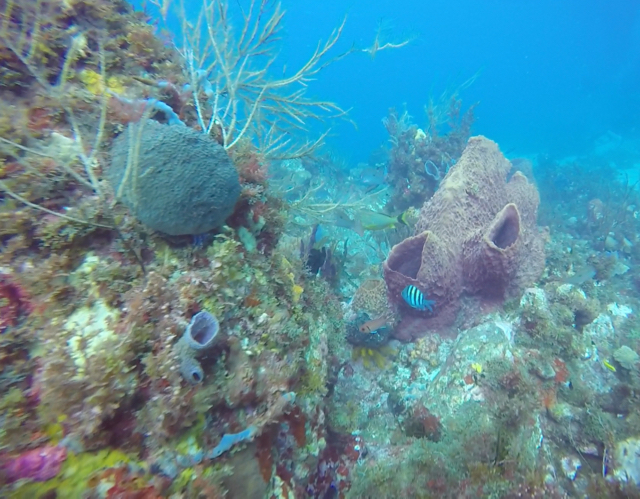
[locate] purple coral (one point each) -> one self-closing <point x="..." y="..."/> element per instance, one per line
<point x="39" y="464"/>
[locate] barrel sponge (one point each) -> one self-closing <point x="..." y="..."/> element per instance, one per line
<point x="182" y="182"/>
<point x="476" y="244"/>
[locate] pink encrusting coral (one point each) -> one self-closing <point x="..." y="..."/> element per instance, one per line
<point x="14" y="302"/>
<point x="39" y="464"/>
<point x="476" y="238"/>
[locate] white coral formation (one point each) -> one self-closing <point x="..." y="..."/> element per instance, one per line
<point x="535" y="298"/>
<point x="626" y="461"/>
<point x="570" y="466"/>
<point x="90" y="332"/>
<point x="89" y="329"/>
<point x="626" y="357"/>
<point x="87" y="361"/>
<point x="619" y="310"/>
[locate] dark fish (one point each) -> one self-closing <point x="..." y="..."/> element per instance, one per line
<point x="415" y="298"/>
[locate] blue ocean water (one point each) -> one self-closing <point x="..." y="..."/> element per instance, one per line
<point x="552" y="76"/>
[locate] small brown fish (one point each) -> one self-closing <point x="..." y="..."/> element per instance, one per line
<point x="373" y="325"/>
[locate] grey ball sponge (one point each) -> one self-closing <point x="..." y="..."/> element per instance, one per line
<point x="184" y="183"/>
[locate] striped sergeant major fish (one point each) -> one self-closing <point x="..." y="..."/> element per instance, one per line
<point x="415" y="298"/>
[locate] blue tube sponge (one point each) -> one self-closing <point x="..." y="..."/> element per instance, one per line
<point x="231" y="439"/>
<point x="201" y="333"/>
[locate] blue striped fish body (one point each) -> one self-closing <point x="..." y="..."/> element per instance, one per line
<point x="415" y="298"/>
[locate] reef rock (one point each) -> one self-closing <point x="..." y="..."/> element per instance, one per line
<point x="475" y="244"/>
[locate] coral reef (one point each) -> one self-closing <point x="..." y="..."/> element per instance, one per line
<point x="242" y="363"/>
<point x="371" y="298"/>
<point x="102" y="317"/>
<point x="476" y="237"/>
<point x="488" y="415"/>
<point x="419" y="160"/>
<point x="626" y="357"/>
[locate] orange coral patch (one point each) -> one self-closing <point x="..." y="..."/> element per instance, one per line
<point x="562" y="373"/>
<point x="297" y="423"/>
<point x="264" y="455"/>
<point x="252" y="301"/>
<point x="549" y="398"/>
